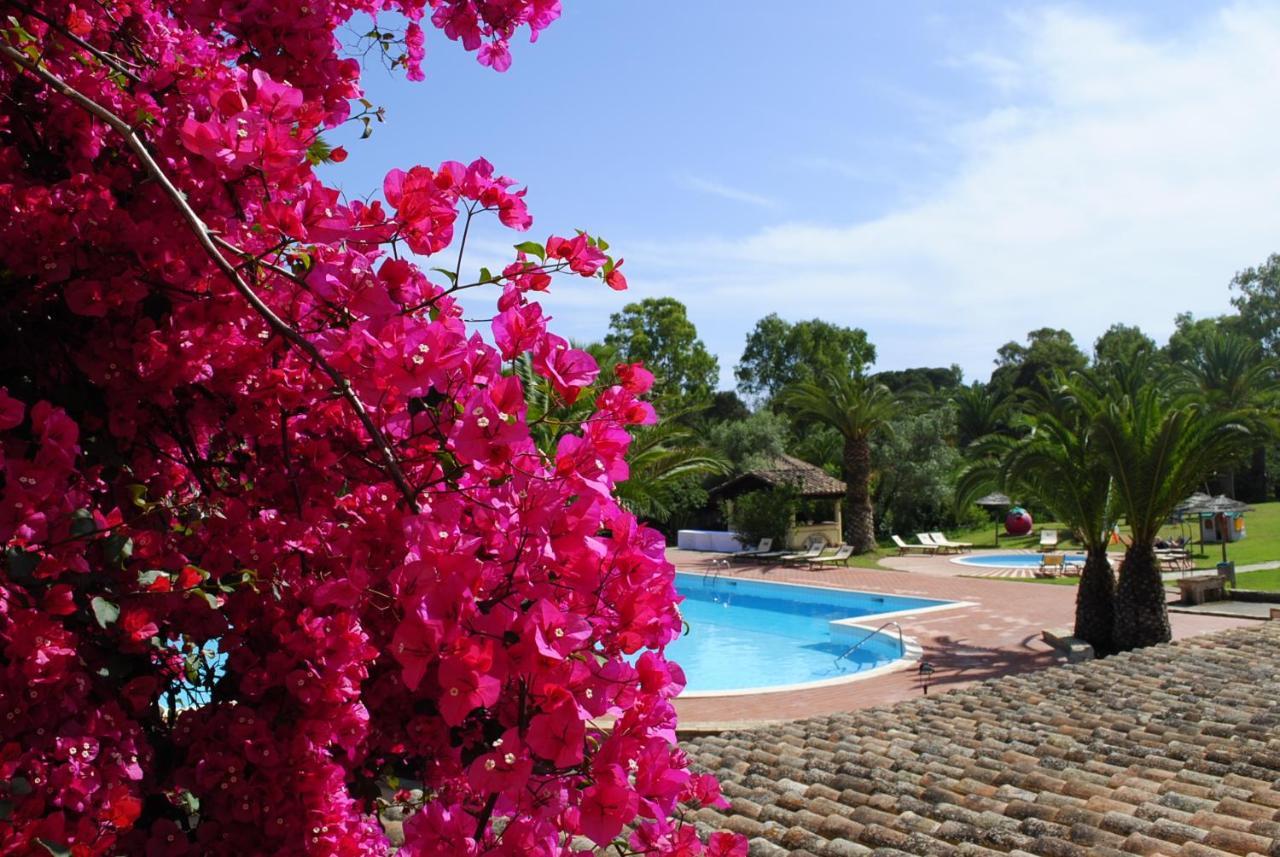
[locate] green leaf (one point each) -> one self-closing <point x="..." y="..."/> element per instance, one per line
<point x="6" y="810"/>
<point x="104" y="611"/>
<point x="82" y="523"/>
<point x="138" y="493"/>
<point x="368" y="128"/>
<point x="20" y="786"/>
<point x="452" y="275"/>
<point x="189" y="802"/>
<point x="215" y="603"/>
<point x="486" y="276"/>
<point x="147" y="578"/>
<point x="22" y="564"/>
<point x="57" y="849"/>
<point x="117" y="548"/>
<point x="533" y="248"/>
<point x="319" y="151"/>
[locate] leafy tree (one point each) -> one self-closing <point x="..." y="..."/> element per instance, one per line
<point x="1190" y="335"/>
<point x="658" y="333"/>
<point x="820" y="445"/>
<point x="1028" y="367"/>
<point x="1258" y="302"/>
<point x="764" y="514"/>
<point x="725" y="406"/>
<point x="858" y="407"/>
<point x="779" y="353"/>
<point x="916" y="467"/>
<point x="1158" y="446"/>
<point x="763" y="436"/>
<point x="1120" y="342"/>
<point x="922" y="380"/>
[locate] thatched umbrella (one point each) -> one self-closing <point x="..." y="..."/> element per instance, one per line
<point x="1202" y="504"/>
<point x="995" y="500"/>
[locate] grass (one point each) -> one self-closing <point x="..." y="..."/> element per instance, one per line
<point x="1267" y="580"/>
<point x="1262" y="544"/>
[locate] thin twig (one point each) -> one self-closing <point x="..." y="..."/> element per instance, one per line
<point x="205" y="239"/>
<point x="103" y="56"/>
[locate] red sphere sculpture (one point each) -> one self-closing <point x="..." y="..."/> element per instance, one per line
<point x="1018" y="522"/>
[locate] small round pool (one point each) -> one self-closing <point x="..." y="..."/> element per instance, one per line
<point x="1011" y="560"/>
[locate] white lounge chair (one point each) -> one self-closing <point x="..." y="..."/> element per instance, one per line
<point x="940" y="539"/>
<point x="927" y="539"/>
<point x="816" y="546"/>
<point x="765" y="546"/>
<point x="1048" y="540"/>
<point x="841" y="556"/>
<point x="904" y="548"/>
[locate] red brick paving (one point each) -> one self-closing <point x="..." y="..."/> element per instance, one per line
<point x="998" y="636"/>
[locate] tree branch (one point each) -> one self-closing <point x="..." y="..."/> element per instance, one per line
<point x="205" y="239"/>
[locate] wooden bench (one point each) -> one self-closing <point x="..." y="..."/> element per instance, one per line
<point x="1075" y="649"/>
<point x="1197" y="590"/>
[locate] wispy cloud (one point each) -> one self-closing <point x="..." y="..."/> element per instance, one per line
<point x="1119" y="178"/>
<point x="724" y="191"/>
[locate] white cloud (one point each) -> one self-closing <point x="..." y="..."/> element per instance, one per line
<point x="724" y="191"/>
<point x="1122" y="177"/>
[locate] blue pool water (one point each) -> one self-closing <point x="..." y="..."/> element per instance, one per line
<point x="1010" y="560"/>
<point x="747" y="634"/>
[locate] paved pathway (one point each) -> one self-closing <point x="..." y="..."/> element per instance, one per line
<point x="999" y="635"/>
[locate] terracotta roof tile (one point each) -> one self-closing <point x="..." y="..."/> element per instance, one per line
<point x="1172" y="750"/>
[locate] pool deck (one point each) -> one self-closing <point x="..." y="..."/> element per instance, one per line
<point x="999" y="635"/>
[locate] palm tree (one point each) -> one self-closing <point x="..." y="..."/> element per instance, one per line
<point x="663" y="459"/>
<point x="857" y="407"/>
<point x="1230" y="374"/>
<point x="1058" y="462"/>
<point x="1159" y="446"/>
<point x="980" y="411"/>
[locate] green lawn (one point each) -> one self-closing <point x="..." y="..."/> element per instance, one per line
<point x="1269" y="579"/>
<point x="1262" y="544"/>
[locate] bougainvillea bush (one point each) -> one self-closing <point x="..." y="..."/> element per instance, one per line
<point x="280" y="548"/>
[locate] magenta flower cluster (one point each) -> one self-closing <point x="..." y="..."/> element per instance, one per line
<point x="282" y="559"/>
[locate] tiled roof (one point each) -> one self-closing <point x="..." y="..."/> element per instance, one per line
<point x="1172" y="750"/>
<point x="811" y="481"/>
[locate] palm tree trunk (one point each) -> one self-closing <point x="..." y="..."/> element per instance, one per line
<point x="1141" y="616"/>
<point x="859" y="521"/>
<point x="1095" y="602"/>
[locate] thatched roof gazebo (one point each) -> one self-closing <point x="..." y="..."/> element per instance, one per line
<point x="810" y="482"/>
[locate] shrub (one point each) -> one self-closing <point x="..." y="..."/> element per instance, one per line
<point x="764" y="514"/>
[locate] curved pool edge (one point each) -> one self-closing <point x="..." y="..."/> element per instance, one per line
<point x="912" y="652"/>
<point x="970" y="560"/>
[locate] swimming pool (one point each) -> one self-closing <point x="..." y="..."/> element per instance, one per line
<point x="751" y="636"/>
<point x="1011" y="560"/>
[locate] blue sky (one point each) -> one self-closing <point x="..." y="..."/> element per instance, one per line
<point x="947" y="176"/>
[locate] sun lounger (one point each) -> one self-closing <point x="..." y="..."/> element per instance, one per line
<point x="841" y="556"/>
<point x="764" y="547"/>
<point x="928" y="539"/>
<point x="1174" y="559"/>
<point x="816" y="546"/>
<point x="1051" y="565"/>
<point x="940" y="539"/>
<point x="904" y="548"/>
<point x="1048" y="540"/>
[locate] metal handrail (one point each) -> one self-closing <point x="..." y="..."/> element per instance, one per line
<point x="902" y="646"/>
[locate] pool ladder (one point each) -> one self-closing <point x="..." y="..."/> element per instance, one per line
<point x="902" y="646"/>
<point x="718" y="567"/>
